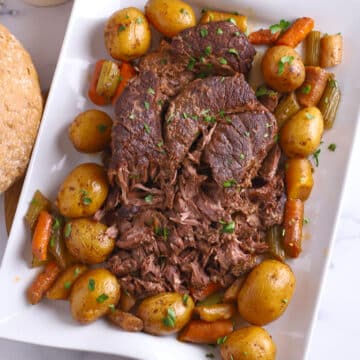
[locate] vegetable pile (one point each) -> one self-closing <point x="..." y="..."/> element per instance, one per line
<point x="67" y="238"/>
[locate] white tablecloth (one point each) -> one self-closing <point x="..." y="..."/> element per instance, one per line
<point x="337" y="329"/>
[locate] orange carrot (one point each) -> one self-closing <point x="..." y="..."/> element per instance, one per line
<point x="43" y="282"/>
<point x="293" y="223"/>
<point x="203" y="293"/>
<point x="126" y="72"/>
<point x="263" y="37"/>
<point x="203" y="332"/>
<point x="94" y="97"/>
<point x="297" y="32"/>
<point x="41" y="237"/>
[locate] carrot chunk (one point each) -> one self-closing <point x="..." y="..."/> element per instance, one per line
<point x="297" y="32"/>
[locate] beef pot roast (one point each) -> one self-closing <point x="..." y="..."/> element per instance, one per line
<point x="194" y="168"/>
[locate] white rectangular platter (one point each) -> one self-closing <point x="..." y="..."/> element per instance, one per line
<point x="53" y="157"/>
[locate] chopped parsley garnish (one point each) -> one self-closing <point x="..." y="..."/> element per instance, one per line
<point x="332" y="147"/>
<point x="306" y="221"/>
<point x="160" y="102"/>
<point x="151" y="91"/>
<point x="160" y="144"/>
<point x="237" y="33"/>
<point x="204" y="33"/>
<point x="208" y="50"/>
<point x="263" y="90"/>
<point x="232" y="20"/>
<point x="101" y="298"/>
<point x="222" y="113"/>
<point x="210" y="356"/>
<point x="219" y="31"/>
<point x="146" y="105"/>
<point x="85" y="197"/>
<point x="121" y="28"/>
<point x="139" y="21"/>
<point x="228" y="119"/>
<point x="67" y="230"/>
<point x="276" y="138"/>
<point x="191" y="63"/>
<point x="56" y="223"/>
<point x="284" y="301"/>
<point x="204" y="112"/>
<point x="170" y="118"/>
<point x="247" y="134"/>
<point x="242" y="156"/>
<point x="195" y="117"/>
<point x="233" y="51"/>
<point x="76" y="271"/>
<point x="67" y="285"/>
<point x="333" y="83"/>
<point x="306" y="89"/>
<point x="183" y="11"/>
<point x="283" y="61"/>
<point x="132" y="116"/>
<point x="52" y="241"/>
<point x="148" y="198"/>
<point x="229" y="183"/>
<point x="281" y="26"/>
<point x="91" y="285"/>
<point x="102" y="128"/>
<point x="147" y="128"/>
<point x="316" y="156"/>
<point x="228" y="228"/>
<point x="170" y="319"/>
<point x="185" y="299"/>
<point x="112" y="307"/>
<point x="222" y="61"/>
<point x="309" y="116"/>
<point x="209" y="119"/>
<point x="221" y="340"/>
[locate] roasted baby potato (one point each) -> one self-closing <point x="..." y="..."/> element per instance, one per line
<point x="282" y="68"/>
<point x="249" y="343"/>
<point x="90" y="132"/>
<point x="301" y="134"/>
<point x="93" y="295"/>
<point x="87" y="240"/>
<point x="83" y="191"/>
<point x="165" y="313"/>
<point x="127" y="34"/>
<point x="266" y="292"/>
<point x="62" y="287"/>
<point x="170" y="16"/>
<point x="298" y="178"/>
<point x="215" y="312"/>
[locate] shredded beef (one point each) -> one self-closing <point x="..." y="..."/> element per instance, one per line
<point x="196" y="178"/>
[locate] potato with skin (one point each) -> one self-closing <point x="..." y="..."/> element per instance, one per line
<point x="88" y="241"/>
<point x="249" y="343"/>
<point x="282" y="68"/>
<point x="83" y="191"/>
<point x="127" y="34"/>
<point x="93" y="295"/>
<point x="90" y="132"/>
<point x="165" y="313"/>
<point x="170" y="16"/>
<point x="266" y="292"/>
<point x="62" y="287"/>
<point x="300" y="136"/>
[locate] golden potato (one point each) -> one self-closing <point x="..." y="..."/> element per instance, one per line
<point x="62" y="287"/>
<point x="170" y="16"/>
<point x="266" y="292"/>
<point x="83" y="191"/>
<point x="93" y="295"/>
<point x="127" y="34"/>
<point x="87" y="240"/>
<point x="300" y="136"/>
<point x="90" y="132"/>
<point x="165" y="313"/>
<point x="249" y="343"/>
<point x="298" y="178"/>
<point x="282" y="68"/>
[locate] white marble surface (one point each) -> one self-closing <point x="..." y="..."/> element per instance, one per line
<point x="337" y="327"/>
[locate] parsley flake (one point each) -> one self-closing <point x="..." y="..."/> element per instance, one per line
<point x="233" y="51"/>
<point x="283" y="61"/>
<point x="204" y="32"/>
<point x="333" y="83"/>
<point x="121" y="28"/>
<point x="232" y="20"/>
<point x="210" y="356"/>
<point x="284" y="301"/>
<point x="101" y="298"/>
<point x="316" y="156"/>
<point x="76" y="271"/>
<point x="228" y="228"/>
<point x="160" y="144"/>
<point x="102" y="128"/>
<point x="56" y="223"/>
<point x="151" y="91"/>
<point x="67" y="285"/>
<point x="170" y="118"/>
<point x="183" y="11"/>
<point x="222" y="61"/>
<point x="132" y="116"/>
<point x="67" y="230"/>
<point x="242" y="156"/>
<point x="112" y="308"/>
<point x="306" y="89"/>
<point x="191" y="64"/>
<point x="147" y="128"/>
<point x="185" y="299"/>
<point x="170" y="319"/>
<point x="281" y="26"/>
<point x="146" y="105"/>
<point x="219" y="31"/>
<point x="309" y="116"/>
<point x="263" y="90"/>
<point x="139" y="20"/>
<point x="229" y="183"/>
<point x="148" y="198"/>
<point x="306" y="221"/>
<point x="208" y="50"/>
<point x="91" y="285"/>
<point x="332" y="147"/>
<point x="221" y="340"/>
